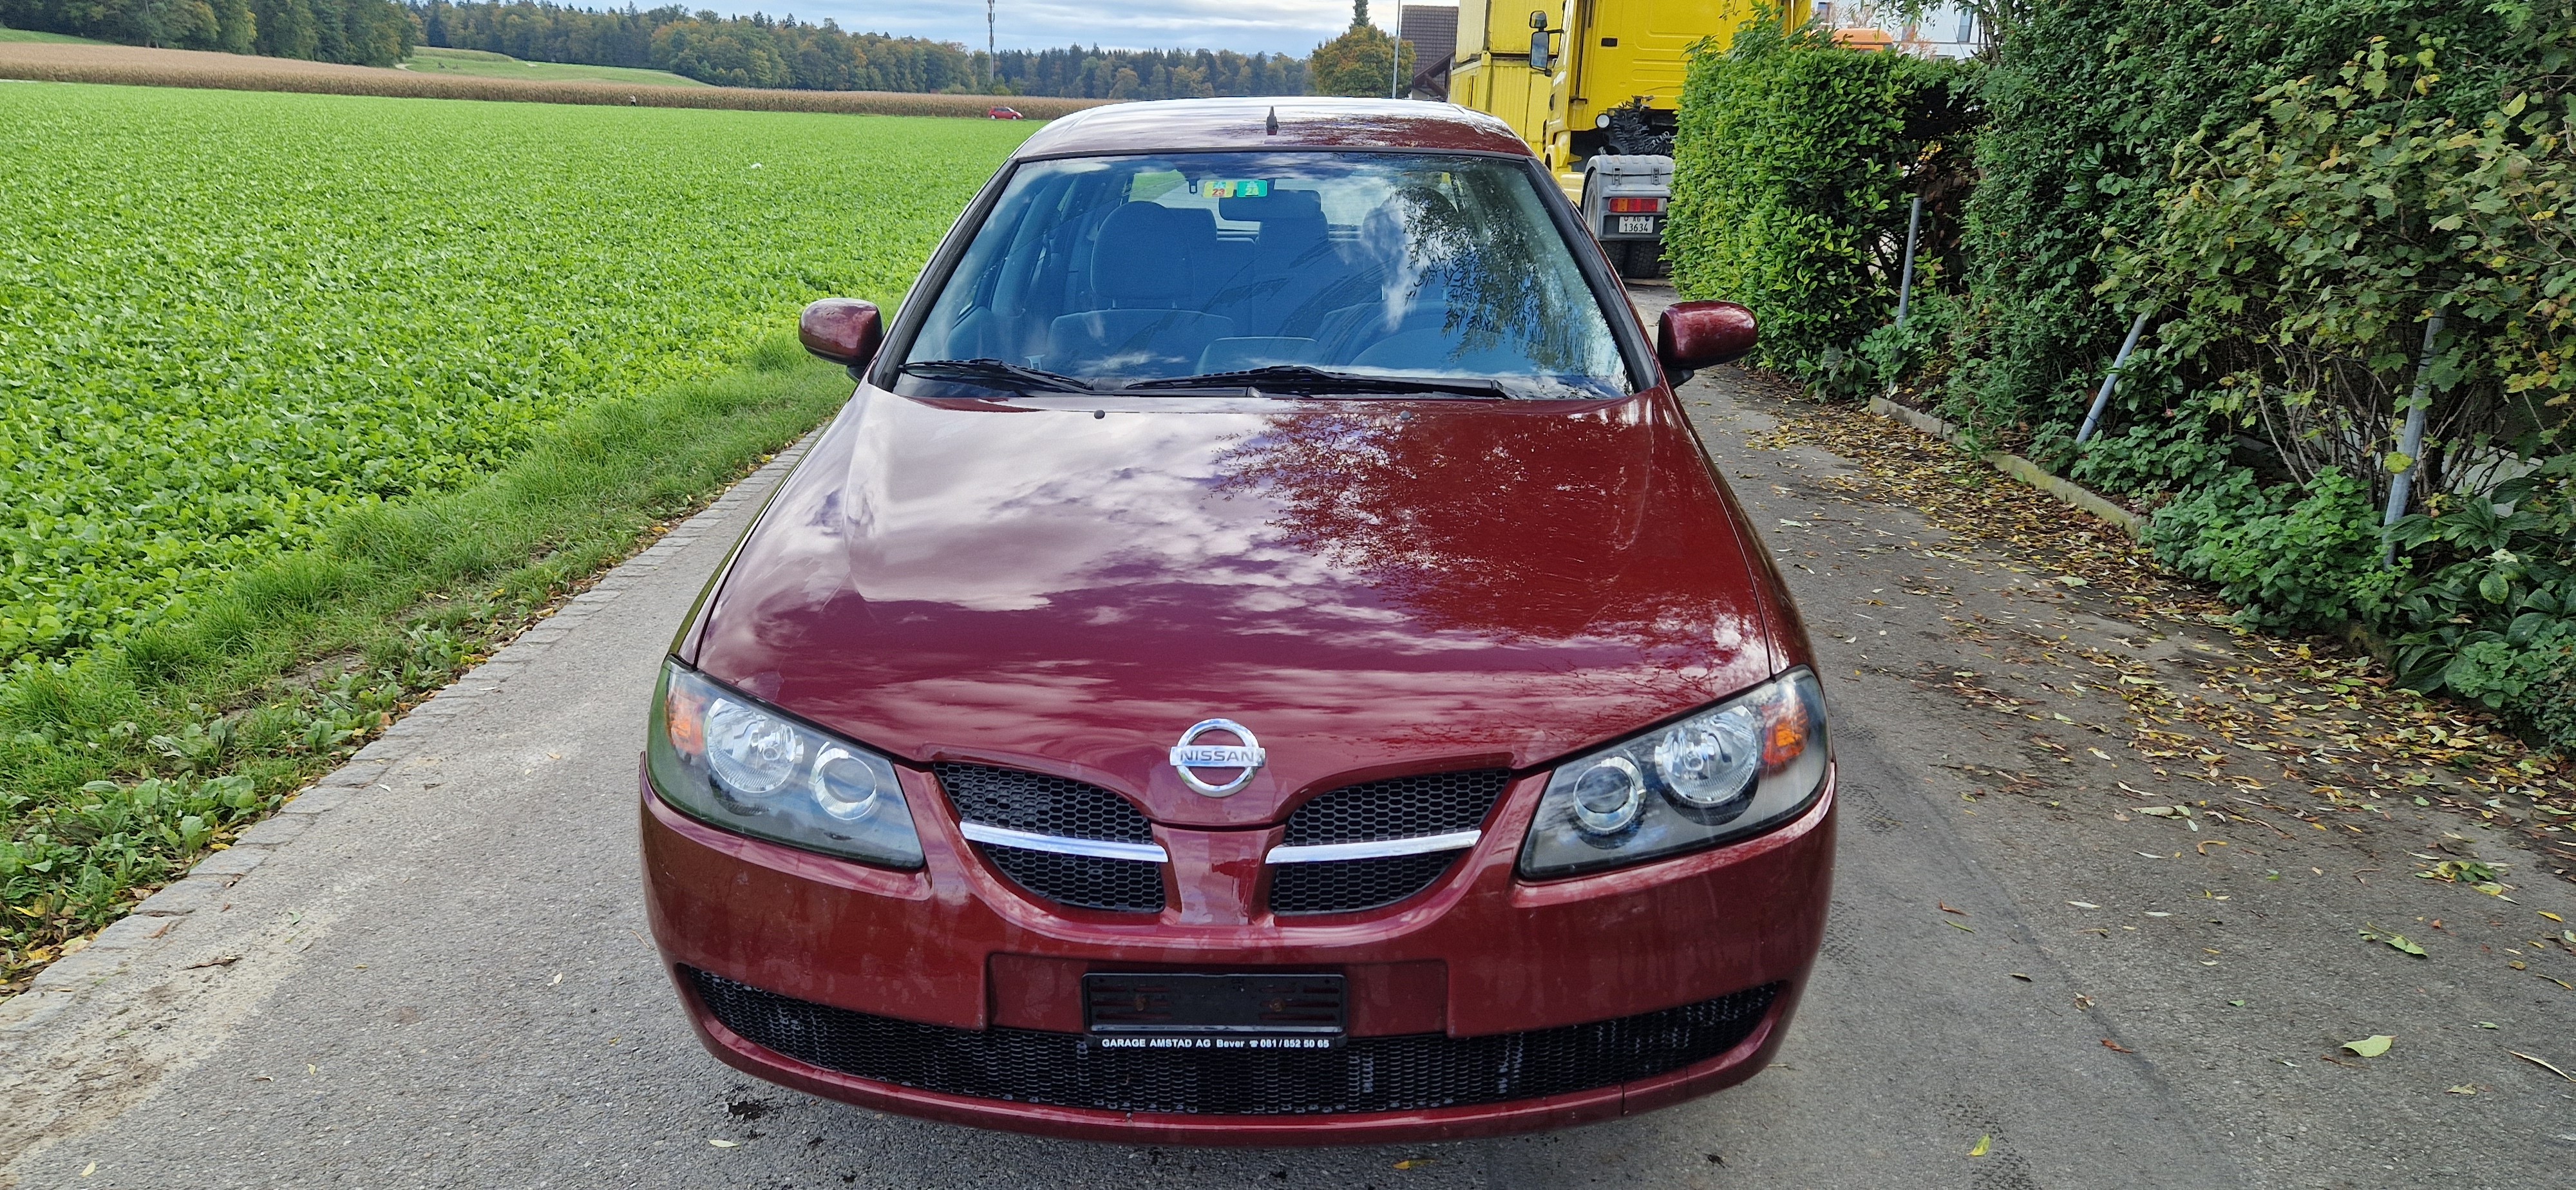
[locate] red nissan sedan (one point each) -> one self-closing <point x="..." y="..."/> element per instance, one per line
<point x="1261" y="659"/>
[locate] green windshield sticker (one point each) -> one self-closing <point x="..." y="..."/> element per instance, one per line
<point x="1235" y="188"/>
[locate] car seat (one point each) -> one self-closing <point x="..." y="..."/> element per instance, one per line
<point x="1141" y="272"/>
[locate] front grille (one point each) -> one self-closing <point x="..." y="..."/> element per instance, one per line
<point x="1040" y="804"/>
<point x="1065" y="808"/>
<point x="1350" y="885"/>
<point x="1367" y="1074"/>
<point x="1402" y="808"/>
<point x="1125" y="885"/>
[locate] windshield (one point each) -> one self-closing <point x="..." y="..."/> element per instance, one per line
<point x="1111" y="271"/>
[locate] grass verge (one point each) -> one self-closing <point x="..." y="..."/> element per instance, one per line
<point x="121" y="768"/>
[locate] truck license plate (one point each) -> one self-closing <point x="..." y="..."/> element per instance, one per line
<point x="1636" y="225"/>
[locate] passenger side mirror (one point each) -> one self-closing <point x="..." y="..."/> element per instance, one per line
<point x="1694" y="335"/>
<point x="1540" y="59"/>
<point x="842" y="330"/>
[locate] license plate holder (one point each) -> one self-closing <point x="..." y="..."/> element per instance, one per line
<point x="1146" y="1010"/>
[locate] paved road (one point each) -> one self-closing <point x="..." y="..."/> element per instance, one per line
<point x="444" y="981"/>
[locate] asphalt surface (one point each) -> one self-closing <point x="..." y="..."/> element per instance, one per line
<point x="445" y="981"/>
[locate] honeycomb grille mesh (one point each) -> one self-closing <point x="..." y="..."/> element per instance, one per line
<point x="1402" y="808"/>
<point x="1125" y="885"/>
<point x="1349" y="885"/>
<point x="1040" y="803"/>
<point x="1367" y="1074"/>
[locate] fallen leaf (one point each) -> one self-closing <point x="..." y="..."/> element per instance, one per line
<point x="2487" y="1024"/>
<point x="2018" y="975"/>
<point x="2551" y="916"/>
<point x="2153" y="913"/>
<point x="1984" y="1144"/>
<point x="1947" y="909"/>
<point x="2370" y="1047"/>
<point x="2236" y="1004"/>
<point x="2462" y="1089"/>
<point x="217" y="961"/>
<point x="1960" y="926"/>
<point x="2116" y="1047"/>
<point x="2084" y="904"/>
<point x="725" y="1144"/>
<point x="1413" y="1163"/>
<point x="89" y="1169"/>
<point x="2083" y="1001"/>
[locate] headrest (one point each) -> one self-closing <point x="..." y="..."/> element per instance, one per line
<point x="1294" y="206"/>
<point x="1144" y="251"/>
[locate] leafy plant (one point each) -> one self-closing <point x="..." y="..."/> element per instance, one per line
<point x="1792" y="175"/>
<point x="2288" y="554"/>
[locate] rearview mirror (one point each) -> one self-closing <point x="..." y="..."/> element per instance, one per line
<point x="1540" y="58"/>
<point x="842" y="330"/>
<point x="1694" y="335"/>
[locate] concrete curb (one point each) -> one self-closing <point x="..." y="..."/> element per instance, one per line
<point x="114" y="948"/>
<point x="2020" y="468"/>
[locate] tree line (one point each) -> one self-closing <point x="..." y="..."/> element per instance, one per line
<point x="359" y="32"/>
<point x="740" y="51"/>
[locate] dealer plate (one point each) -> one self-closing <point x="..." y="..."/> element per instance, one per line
<point x="1136" y="1010"/>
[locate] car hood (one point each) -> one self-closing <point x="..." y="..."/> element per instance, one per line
<point x="1372" y="588"/>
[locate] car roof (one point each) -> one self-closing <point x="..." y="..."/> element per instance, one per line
<point x="1304" y="123"/>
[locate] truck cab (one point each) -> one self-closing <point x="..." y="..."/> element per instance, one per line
<point x="1595" y="87"/>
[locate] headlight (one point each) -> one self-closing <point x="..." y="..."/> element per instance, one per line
<point x="1753" y="762"/>
<point x="733" y="761"/>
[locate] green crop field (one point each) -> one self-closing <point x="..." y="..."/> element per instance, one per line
<point x="225" y="316"/>
<point x="9" y="34"/>
<point x="429" y="60"/>
<point x="307" y="400"/>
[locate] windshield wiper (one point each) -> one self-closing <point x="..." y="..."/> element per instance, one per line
<point x="1313" y="381"/>
<point x="996" y="374"/>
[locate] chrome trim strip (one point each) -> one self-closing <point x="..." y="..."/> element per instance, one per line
<point x="1003" y="836"/>
<point x="1317" y="853"/>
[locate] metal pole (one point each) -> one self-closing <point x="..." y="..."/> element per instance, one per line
<point x="1905" y="286"/>
<point x="2411" y="442"/>
<point x="2102" y="399"/>
<point x="1395" y="57"/>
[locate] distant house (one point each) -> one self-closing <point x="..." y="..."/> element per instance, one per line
<point x="1943" y="30"/>
<point x="1433" y="30"/>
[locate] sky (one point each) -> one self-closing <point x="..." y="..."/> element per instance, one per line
<point x="1250" y="26"/>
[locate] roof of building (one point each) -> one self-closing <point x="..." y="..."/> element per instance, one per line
<point x="1433" y="30"/>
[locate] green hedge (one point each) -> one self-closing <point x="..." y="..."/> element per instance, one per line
<point x="1791" y="182"/>
<point x="2290" y="188"/>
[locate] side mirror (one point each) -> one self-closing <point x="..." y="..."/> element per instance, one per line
<point x="1694" y="335"/>
<point x="1540" y="58"/>
<point x="842" y="330"/>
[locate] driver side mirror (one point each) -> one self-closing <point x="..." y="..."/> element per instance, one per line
<point x="842" y="330"/>
<point x="1694" y="335"/>
<point x="1541" y="59"/>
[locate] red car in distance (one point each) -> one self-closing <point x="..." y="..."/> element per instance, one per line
<point x="1261" y="659"/>
<point x="1002" y="113"/>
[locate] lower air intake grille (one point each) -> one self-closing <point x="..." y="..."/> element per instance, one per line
<point x="1126" y="885"/>
<point x="1368" y="1074"/>
<point x="1349" y="885"/>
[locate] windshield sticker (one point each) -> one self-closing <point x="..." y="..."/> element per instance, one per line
<point x="1235" y="188"/>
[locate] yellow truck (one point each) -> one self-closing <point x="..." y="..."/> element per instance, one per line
<point x="1595" y="87"/>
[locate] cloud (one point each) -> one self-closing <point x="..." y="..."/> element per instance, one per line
<point x="1275" y="26"/>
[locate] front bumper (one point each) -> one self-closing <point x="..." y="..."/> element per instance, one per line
<point x="1684" y="973"/>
